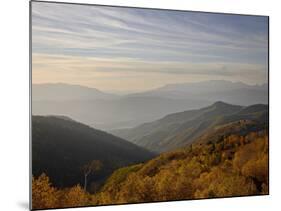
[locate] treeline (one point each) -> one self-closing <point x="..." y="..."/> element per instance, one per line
<point x="232" y="165"/>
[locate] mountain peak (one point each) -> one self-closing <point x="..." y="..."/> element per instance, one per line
<point x="220" y="103"/>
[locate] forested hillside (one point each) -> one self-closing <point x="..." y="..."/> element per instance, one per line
<point x="232" y="165"/>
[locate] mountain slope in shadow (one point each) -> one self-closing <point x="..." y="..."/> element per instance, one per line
<point x="60" y="147"/>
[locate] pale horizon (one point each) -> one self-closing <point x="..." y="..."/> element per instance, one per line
<point x="139" y="91"/>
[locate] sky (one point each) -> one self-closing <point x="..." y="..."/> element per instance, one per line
<point x="127" y="49"/>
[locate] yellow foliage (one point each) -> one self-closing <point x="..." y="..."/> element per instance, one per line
<point x="43" y="194"/>
<point x="74" y="196"/>
<point x="219" y="183"/>
<point x="252" y="160"/>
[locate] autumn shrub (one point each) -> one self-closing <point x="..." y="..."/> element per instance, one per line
<point x="74" y="196"/>
<point x="43" y="194"/>
<point x="252" y="160"/>
<point x="173" y="185"/>
<point x="257" y="169"/>
<point x="219" y="183"/>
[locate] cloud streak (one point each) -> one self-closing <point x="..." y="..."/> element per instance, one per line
<point x="111" y="42"/>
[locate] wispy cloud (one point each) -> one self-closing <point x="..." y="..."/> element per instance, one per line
<point x="108" y="42"/>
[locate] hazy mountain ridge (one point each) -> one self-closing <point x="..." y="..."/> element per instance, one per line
<point x="180" y="129"/>
<point x="65" y="92"/>
<point x="214" y="90"/>
<point x="107" y="111"/>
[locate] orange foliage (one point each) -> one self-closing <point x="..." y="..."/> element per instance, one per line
<point x="43" y="194"/>
<point x="74" y="196"/>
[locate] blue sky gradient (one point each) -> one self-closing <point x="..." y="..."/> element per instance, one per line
<point x="113" y="48"/>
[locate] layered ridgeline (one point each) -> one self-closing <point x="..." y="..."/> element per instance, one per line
<point x="180" y="129"/>
<point x="61" y="148"/>
<point x="108" y="111"/>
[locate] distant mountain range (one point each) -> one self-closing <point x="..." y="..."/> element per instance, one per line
<point x="180" y="129"/>
<point x="108" y="111"/>
<point x="65" y="92"/>
<point x="215" y="90"/>
<point x="61" y="146"/>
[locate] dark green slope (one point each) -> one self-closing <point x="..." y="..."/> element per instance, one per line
<point x="179" y="129"/>
<point x="60" y="147"/>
